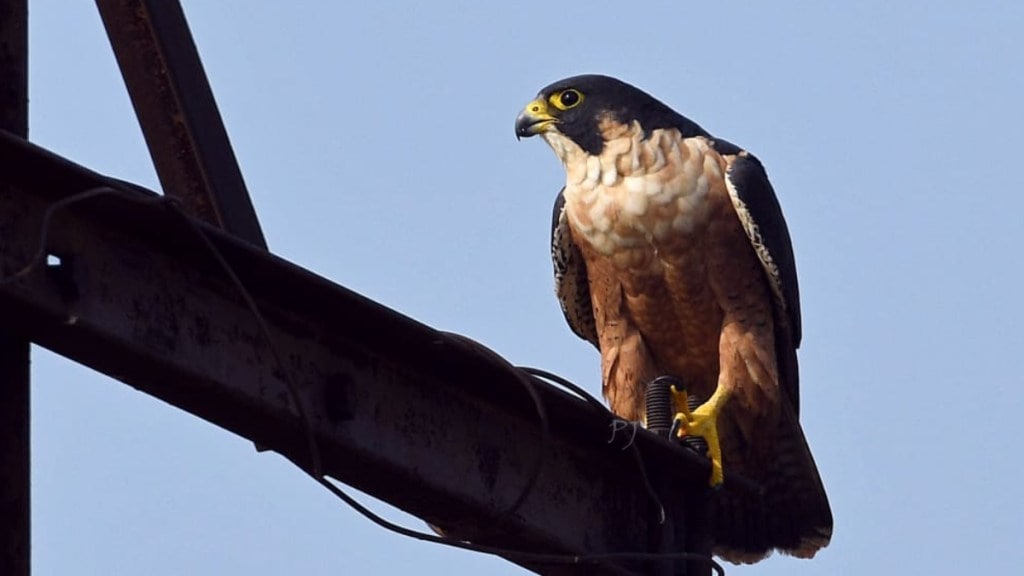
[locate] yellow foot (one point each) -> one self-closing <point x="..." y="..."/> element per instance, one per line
<point x="702" y="422"/>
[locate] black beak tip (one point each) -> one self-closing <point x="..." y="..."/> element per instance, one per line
<point x="524" y="126"/>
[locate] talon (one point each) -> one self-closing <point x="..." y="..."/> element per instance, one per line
<point x="677" y="426"/>
<point x="701" y="422"/>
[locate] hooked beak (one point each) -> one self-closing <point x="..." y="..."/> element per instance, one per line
<point x="534" y="119"/>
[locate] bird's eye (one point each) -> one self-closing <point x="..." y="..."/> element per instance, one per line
<point x="567" y="99"/>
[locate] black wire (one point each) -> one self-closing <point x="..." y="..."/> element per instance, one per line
<point x="509" y="553"/>
<point x="652" y="494"/>
<point x="528" y="384"/>
<point x="568" y="384"/>
<point x="542" y="454"/>
<point x="44" y="229"/>
<point x="290" y="385"/>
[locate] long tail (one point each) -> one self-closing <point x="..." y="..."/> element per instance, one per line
<point x="791" y="514"/>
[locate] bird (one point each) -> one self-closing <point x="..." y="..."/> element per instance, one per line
<point x="672" y="257"/>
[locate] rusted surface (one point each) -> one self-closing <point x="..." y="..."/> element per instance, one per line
<point x="430" y="422"/>
<point x="178" y="114"/>
<point x="15" y="512"/>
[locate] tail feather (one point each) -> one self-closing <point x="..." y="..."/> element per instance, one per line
<point x="790" y="514"/>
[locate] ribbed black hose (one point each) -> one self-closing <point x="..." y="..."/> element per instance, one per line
<point x="660" y="409"/>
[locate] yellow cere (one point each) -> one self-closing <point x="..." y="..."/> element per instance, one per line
<point x="537" y="108"/>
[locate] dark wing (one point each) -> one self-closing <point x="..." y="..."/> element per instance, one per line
<point x="571" y="284"/>
<point x="759" y="211"/>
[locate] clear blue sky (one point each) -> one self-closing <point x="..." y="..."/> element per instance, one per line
<point x="376" y="139"/>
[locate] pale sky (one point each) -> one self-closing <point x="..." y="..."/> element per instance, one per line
<point x="376" y="140"/>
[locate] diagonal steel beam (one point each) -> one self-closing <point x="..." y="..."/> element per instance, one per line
<point x="178" y="114"/>
<point x="422" y="419"/>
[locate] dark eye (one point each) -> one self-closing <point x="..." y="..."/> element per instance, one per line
<point x="566" y="99"/>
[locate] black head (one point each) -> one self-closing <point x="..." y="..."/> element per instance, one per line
<point x="575" y="106"/>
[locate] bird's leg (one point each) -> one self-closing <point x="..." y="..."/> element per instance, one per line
<point x="703" y="422"/>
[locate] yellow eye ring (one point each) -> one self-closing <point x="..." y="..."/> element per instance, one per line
<point x="566" y="99"/>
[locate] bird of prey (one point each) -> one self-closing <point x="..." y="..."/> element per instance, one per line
<point x="672" y="257"/>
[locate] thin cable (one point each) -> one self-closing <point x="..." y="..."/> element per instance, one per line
<point x="568" y="384"/>
<point x="40" y="254"/>
<point x="509" y="553"/>
<point x="293" y="391"/>
<point x="542" y="454"/>
<point x="528" y="384"/>
<point x="652" y="494"/>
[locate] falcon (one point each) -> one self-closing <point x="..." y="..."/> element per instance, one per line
<point x="672" y="257"/>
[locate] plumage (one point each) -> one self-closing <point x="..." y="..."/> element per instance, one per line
<point x="572" y="286"/>
<point x="672" y="256"/>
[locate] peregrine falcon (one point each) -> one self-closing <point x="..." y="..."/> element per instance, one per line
<point x="672" y="257"/>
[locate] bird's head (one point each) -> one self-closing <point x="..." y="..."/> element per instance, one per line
<point x="582" y="108"/>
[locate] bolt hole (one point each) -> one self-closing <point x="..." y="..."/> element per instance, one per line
<point x="53" y="261"/>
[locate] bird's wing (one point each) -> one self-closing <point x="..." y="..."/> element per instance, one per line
<point x="759" y="211"/>
<point x="571" y="283"/>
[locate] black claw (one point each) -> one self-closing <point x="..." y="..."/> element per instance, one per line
<point x="677" y="424"/>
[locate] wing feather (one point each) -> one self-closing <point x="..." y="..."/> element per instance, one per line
<point x="572" y="286"/>
<point x="758" y="209"/>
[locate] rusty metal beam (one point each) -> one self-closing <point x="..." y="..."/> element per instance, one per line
<point x="178" y="114"/>
<point x="425" y="420"/>
<point x="15" y="492"/>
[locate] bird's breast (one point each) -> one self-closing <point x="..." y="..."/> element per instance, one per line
<point x="642" y="211"/>
<point x="643" y="193"/>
